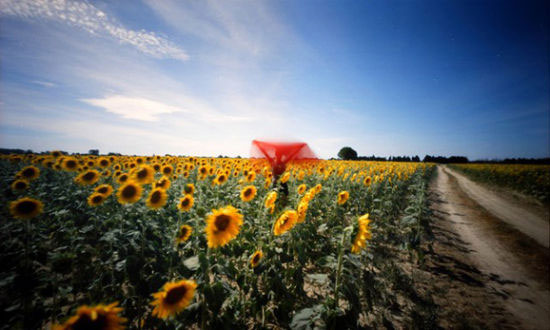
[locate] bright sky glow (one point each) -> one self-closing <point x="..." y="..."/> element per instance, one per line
<point x="208" y="77"/>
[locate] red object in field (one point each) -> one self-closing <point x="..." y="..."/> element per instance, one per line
<point x="279" y="154"/>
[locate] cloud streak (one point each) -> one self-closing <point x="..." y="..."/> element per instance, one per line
<point x="94" y="21"/>
<point x="133" y="107"/>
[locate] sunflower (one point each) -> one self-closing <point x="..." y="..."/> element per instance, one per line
<point x="203" y="171"/>
<point x="255" y="258"/>
<point x="48" y="163"/>
<point x="56" y="153"/>
<point x="122" y="178"/>
<point x="19" y="185"/>
<point x="163" y="183"/>
<point x="285" y="177"/>
<point x="186" y="203"/>
<point x="106" y="173"/>
<point x="167" y="170"/>
<point x="130" y="192"/>
<point x="183" y="233"/>
<point x="69" y="164"/>
<point x="363" y="234"/>
<point x="103" y="162"/>
<point x="220" y="179"/>
<point x="157" y="198"/>
<point x="309" y="195"/>
<point x="189" y="189"/>
<point x="248" y="193"/>
<point x="367" y="181"/>
<point x="26" y="208"/>
<point x="302" y="189"/>
<point x="96" y="199"/>
<point x="318" y="188"/>
<point x="302" y="210"/>
<point x="343" y="197"/>
<point x="104" y="317"/>
<point x="29" y="173"/>
<point x="87" y="178"/>
<point x="156" y="167"/>
<point x="286" y="221"/>
<point x="222" y="226"/>
<point x="271" y="198"/>
<point x="250" y="177"/>
<point x="173" y="298"/>
<point x="145" y="174"/>
<point x="267" y="183"/>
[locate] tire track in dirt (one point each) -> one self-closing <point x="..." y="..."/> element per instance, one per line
<point x="513" y="267"/>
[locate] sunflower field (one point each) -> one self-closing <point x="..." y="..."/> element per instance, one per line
<point x="112" y="242"/>
<point x="532" y="180"/>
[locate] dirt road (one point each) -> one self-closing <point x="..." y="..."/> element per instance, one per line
<point x="499" y="251"/>
<point x="511" y="211"/>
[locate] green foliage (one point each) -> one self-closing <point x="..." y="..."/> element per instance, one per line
<point x="347" y="153"/>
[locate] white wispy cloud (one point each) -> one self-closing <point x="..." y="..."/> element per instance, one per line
<point x="133" y="107"/>
<point x="44" y="83"/>
<point x="95" y="21"/>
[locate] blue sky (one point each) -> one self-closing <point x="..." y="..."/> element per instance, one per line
<point x="207" y="77"/>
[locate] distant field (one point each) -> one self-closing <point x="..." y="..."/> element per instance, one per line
<point x="532" y="180"/>
<point x="206" y="242"/>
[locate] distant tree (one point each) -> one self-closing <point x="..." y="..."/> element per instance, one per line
<point x="416" y="159"/>
<point x="347" y="153"/>
<point x="94" y="152"/>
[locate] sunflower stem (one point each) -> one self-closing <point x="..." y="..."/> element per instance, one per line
<point x="26" y="300"/>
<point x="339" y="269"/>
<point x="206" y="280"/>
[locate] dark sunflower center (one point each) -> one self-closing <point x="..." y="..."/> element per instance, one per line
<point x="29" y="172"/>
<point x="185" y="202"/>
<point x="97" y="199"/>
<point x="20" y="185"/>
<point x="183" y="232"/>
<point x="256" y="258"/>
<point x="156" y="167"/>
<point x="188" y="190"/>
<point x="89" y="176"/>
<point x="123" y="178"/>
<point x="70" y="164"/>
<point x="26" y="207"/>
<point x="155" y="197"/>
<point x="203" y="170"/>
<point x="175" y="295"/>
<point x="284" y="221"/>
<point x="142" y="174"/>
<point x="103" y="163"/>
<point x="129" y="192"/>
<point x="247" y="192"/>
<point x="85" y="322"/>
<point x="166" y="170"/>
<point x="103" y="190"/>
<point x="222" y="221"/>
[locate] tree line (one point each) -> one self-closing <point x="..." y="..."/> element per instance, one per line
<point x="347" y="153"/>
